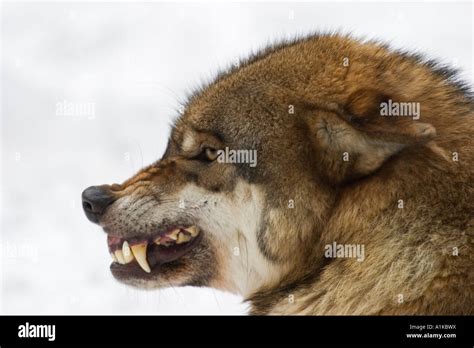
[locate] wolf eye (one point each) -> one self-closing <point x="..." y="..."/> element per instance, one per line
<point x="211" y="154"/>
<point x="207" y="154"/>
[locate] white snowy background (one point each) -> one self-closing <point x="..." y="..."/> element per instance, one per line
<point x="135" y="62"/>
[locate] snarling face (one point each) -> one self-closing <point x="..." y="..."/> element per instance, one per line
<point x="242" y="195"/>
<point x="206" y="214"/>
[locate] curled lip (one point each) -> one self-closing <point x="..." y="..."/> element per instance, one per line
<point x="150" y="252"/>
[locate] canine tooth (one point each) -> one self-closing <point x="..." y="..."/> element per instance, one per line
<point x="193" y="230"/>
<point x="114" y="258"/>
<point x="139" y="251"/>
<point x="127" y="253"/>
<point x="119" y="256"/>
<point x="182" y="238"/>
<point x="174" y="234"/>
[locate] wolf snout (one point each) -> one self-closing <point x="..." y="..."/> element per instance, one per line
<point x="95" y="200"/>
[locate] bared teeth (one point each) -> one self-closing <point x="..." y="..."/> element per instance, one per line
<point x="193" y="230"/>
<point x="114" y="258"/>
<point x="173" y="234"/>
<point x="119" y="256"/>
<point x="183" y="238"/>
<point x="139" y="251"/>
<point x="127" y="253"/>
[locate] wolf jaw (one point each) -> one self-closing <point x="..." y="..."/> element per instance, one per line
<point x="167" y="246"/>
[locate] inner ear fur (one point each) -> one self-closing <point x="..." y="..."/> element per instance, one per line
<point x="356" y="140"/>
<point x="362" y="111"/>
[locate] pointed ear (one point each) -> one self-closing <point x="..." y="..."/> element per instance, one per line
<point x="368" y="110"/>
<point x="359" y="139"/>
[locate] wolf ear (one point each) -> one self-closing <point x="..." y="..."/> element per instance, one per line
<point x="366" y="110"/>
<point x="360" y="138"/>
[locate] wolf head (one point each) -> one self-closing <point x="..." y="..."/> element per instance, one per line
<point x="310" y="111"/>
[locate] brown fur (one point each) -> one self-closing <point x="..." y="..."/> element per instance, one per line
<point x="409" y="251"/>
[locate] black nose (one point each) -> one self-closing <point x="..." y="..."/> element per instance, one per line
<point x="95" y="200"/>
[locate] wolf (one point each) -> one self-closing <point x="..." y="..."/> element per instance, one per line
<point x="330" y="170"/>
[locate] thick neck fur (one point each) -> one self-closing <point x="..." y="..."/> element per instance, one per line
<point x="409" y="266"/>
